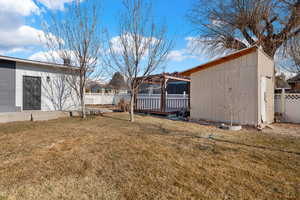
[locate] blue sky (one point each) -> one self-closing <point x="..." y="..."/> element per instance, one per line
<point x="20" y="28"/>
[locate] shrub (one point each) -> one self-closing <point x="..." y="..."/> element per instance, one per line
<point x="124" y="105"/>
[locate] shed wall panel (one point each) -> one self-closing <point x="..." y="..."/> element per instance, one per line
<point x="230" y="86"/>
<point x="266" y="69"/>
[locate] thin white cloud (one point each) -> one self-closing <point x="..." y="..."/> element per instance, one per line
<point x="13" y="13"/>
<point x="50" y="56"/>
<point x="56" y="4"/>
<point x="194" y="49"/>
<point x="55" y="56"/>
<point x="201" y="50"/>
<point x="180" y="55"/>
<point x="20" y="7"/>
<point x="117" y="46"/>
<point x="15" y="36"/>
<point x="46" y="56"/>
<point x="17" y="39"/>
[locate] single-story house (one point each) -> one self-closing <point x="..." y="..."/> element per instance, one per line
<point x="237" y="88"/>
<point x="294" y="83"/>
<point x="33" y="85"/>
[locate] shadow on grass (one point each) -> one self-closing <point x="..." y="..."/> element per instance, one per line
<point x="115" y="118"/>
<point x="253" y="146"/>
<point x="212" y="138"/>
<point x="160" y="130"/>
<point x="16" y="127"/>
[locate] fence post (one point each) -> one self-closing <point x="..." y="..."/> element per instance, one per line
<point x="282" y="102"/>
<point x="189" y="96"/>
<point x="135" y="100"/>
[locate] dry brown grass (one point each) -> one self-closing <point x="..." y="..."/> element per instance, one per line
<point x="110" y="158"/>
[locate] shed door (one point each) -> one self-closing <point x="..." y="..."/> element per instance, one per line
<point x="263" y="100"/>
<point x="31" y="93"/>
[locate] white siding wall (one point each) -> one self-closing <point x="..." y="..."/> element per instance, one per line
<point x="49" y="96"/>
<point x="209" y="91"/>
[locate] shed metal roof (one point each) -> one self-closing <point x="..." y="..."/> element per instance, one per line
<point x="39" y="63"/>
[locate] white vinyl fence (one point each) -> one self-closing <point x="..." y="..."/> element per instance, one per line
<point x="288" y="105"/>
<point x="174" y="102"/>
<point x="104" y="99"/>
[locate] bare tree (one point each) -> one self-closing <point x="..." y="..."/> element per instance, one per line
<point x="140" y="49"/>
<point x="237" y="24"/>
<point x="75" y="37"/>
<point x="294" y="53"/>
<point x="57" y="92"/>
<point x="117" y="82"/>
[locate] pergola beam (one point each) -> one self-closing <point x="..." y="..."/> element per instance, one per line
<point x="177" y="78"/>
<point x="160" y="77"/>
<point x="162" y="80"/>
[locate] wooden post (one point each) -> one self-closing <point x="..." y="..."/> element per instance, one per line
<point x="189" y="96"/>
<point x="282" y="102"/>
<point x="163" y="95"/>
<point x="135" y="100"/>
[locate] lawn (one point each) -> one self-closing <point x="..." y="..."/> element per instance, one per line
<point x="107" y="157"/>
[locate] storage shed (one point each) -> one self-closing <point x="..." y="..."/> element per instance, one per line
<point x="237" y="88"/>
<point x="34" y="85"/>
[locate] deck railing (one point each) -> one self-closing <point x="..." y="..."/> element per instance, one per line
<point x="144" y="102"/>
<point x="152" y="102"/>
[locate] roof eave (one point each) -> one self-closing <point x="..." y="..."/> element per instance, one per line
<point x="45" y="64"/>
<point x="219" y="60"/>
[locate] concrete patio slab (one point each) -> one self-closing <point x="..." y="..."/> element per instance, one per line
<point x="31" y="116"/>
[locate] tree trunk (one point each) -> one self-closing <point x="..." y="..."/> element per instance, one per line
<point x="82" y="102"/>
<point x="83" y="113"/>
<point x="131" y="112"/>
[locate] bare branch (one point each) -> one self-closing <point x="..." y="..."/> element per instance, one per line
<point x="236" y="24"/>
<point x="75" y="35"/>
<point x="141" y="47"/>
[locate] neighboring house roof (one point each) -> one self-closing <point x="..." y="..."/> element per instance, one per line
<point x="40" y="63"/>
<point x="294" y="79"/>
<point x="218" y="61"/>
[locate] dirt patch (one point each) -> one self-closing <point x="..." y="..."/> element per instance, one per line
<point x="284" y="129"/>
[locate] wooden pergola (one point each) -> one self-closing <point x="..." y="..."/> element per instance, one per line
<point x="162" y="80"/>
